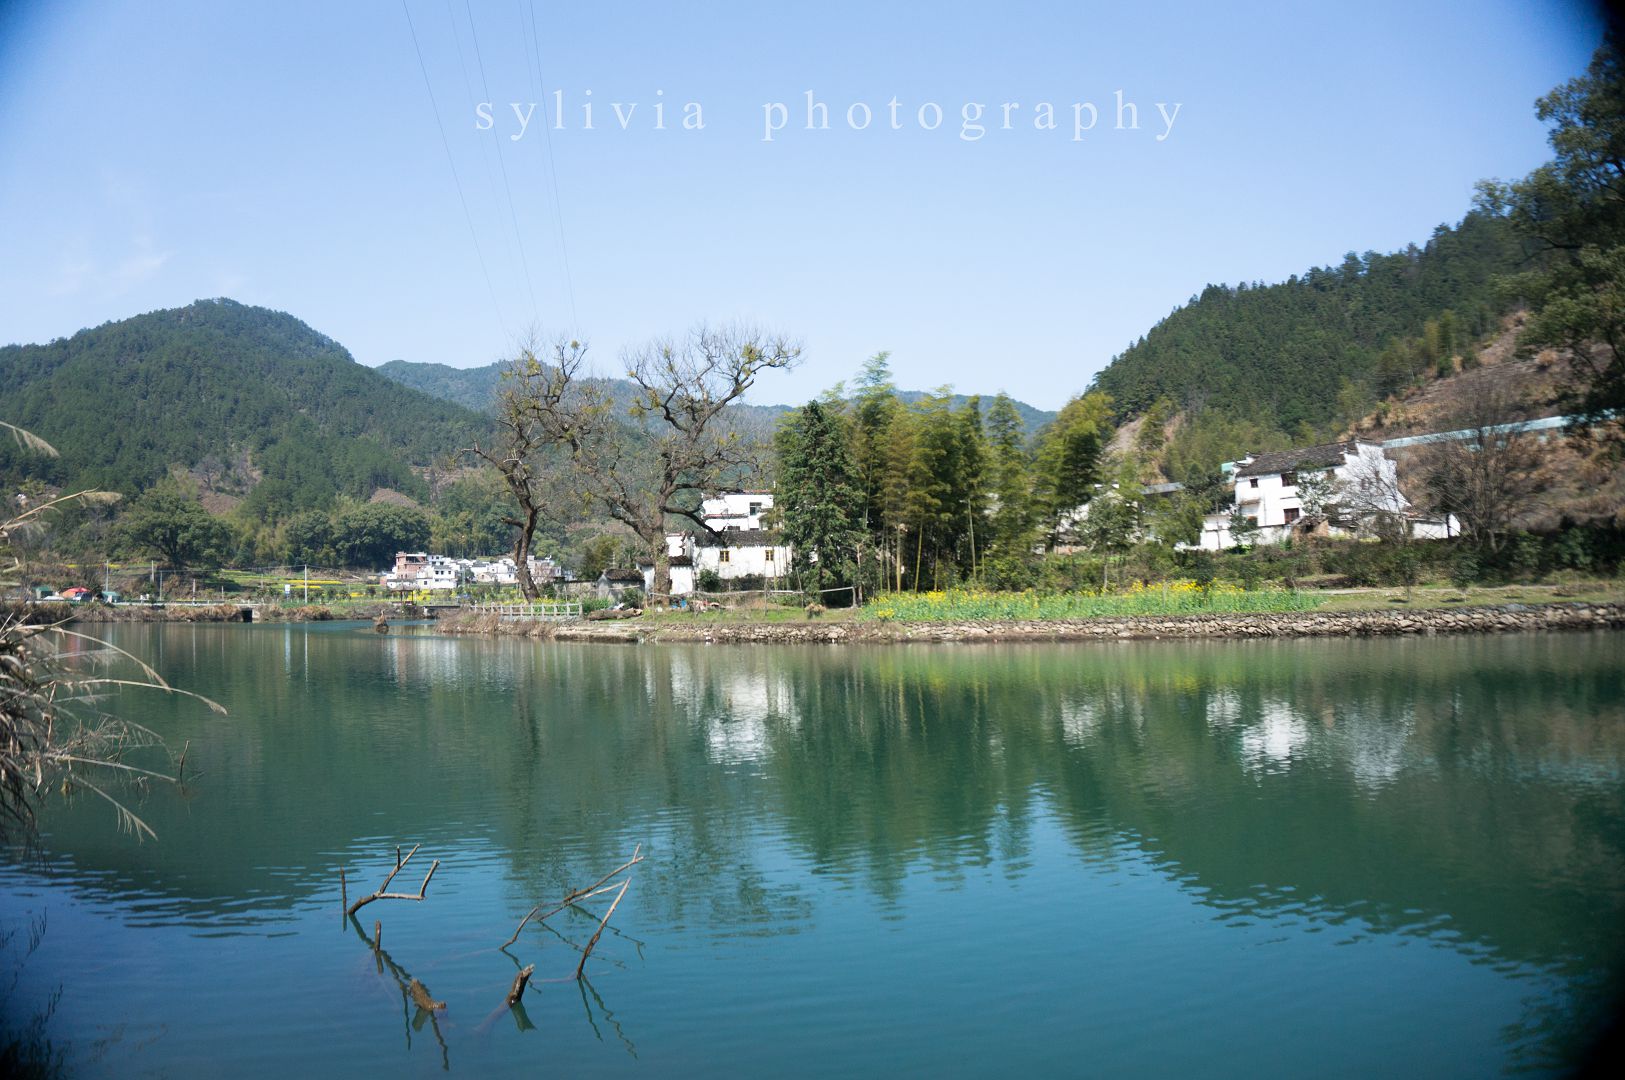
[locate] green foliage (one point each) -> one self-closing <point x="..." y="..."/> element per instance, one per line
<point x="221" y="382"/>
<point x="309" y="539"/>
<point x="820" y="507"/>
<point x="1571" y="211"/>
<point x="1464" y="568"/>
<point x="469" y="519"/>
<point x="1171" y="598"/>
<point x="371" y="534"/>
<point x="1243" y="529"/>
<point x="168" y="522"/>
<point x="600" y="553"/>
<point x="1278" y="355"/>
<point x="1069" y="455"/>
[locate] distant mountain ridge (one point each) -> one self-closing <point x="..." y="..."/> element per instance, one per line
<point x="242" y="391"/>
<point x="476" y="387"/>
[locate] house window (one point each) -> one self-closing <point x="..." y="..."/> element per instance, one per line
<point x="1253" y="482"/>
<point x="755" y="508"/>
<point x="1291" y="514"/>
<point x="769" y="554"/>
<point x="1289" y="479"/>
<point x="724" y="556"/>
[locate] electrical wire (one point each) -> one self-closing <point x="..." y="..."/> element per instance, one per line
<point x="451" y="161"/>
<point x="552" y="168"/>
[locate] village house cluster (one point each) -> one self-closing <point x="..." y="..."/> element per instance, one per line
<point x="418" y="571"/>
<point x="1342" y="489"/>
<point x="737" y="547"/>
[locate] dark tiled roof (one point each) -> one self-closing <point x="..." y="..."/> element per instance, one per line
<point x="738" y="538"/>
<point x="623" y="575"/>
<point x="681" y="560"/>
<point x="1306" y="457"/>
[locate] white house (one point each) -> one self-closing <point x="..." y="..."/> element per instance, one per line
<point x="1350" y="485"/>
<point x="736" y="510"/>
<point x="737" y="547"/>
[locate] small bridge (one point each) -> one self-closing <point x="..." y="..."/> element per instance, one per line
<point x="539" y="611"/>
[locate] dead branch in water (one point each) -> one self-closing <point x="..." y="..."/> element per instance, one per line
<point x="421" y="998"/>
<point x="413" y="993"/>
<point x="577" y="895"/>
<point x="520" y="981"/>
<point x="383" y="892"/>
<point x="604" y="922"/>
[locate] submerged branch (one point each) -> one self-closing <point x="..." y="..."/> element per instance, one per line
<point x="602" y="923"/>
<point x="383" y="892"/>
<point x="576" y="896"/>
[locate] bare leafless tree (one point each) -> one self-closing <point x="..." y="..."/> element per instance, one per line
<point x="673" y="445"/>
<point x="539" y="407"/>
<point x="1368" y="497"/>
<point x="1487" y="471"/>
<point x="683" y="388"/>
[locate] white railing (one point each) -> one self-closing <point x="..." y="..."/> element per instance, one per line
<point x="559" y="610"/>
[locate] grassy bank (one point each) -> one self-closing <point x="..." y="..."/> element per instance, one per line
<point x="1167" y="598"/>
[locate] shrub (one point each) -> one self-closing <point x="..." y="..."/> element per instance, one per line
<point x="1464" y="568"/>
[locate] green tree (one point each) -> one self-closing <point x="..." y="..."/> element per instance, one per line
<point x="308" y="537"/>
<point x="369" y="535"/>
<point x="874" y="410"/>
<point x="820" y="505"/>
<point x="1069" y="457"/>
<point x="1572" y="210"/>
<point x="168" y="521"/>
<point x="1243" y="528"/>
<point x="1012" y="526"/>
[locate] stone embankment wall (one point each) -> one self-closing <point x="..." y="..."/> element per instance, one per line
<point x="1473" y="620"/>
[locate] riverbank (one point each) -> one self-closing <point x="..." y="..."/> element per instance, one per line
<point x="228" y="611"/>
<point x="1485" y="619"/>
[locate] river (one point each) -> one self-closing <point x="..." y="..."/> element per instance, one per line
<point x="1282" y="858"/>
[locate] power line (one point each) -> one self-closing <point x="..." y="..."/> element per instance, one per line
<point x="547" y="140"/>
<point x="513" y="216"/>
<point x="451" y="161"/>
<point x="468" y="88"/>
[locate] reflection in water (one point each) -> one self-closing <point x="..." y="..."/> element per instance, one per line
<point x="1325" y="802"/>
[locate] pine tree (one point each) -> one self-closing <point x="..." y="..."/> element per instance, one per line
<point x="820" y="505"/>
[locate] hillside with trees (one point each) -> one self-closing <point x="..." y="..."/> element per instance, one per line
<point x="479" y="388"/>
<point x="1309" y="352"/>
<point x="252" y="401"/>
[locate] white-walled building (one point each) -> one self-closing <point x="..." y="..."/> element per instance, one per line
<point x="736" y="510"/>
<point x="504" y="571"/>
<point x="1354" y="483"/>
<point x="737" y="547"/>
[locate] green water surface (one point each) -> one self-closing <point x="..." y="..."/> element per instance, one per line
<point x="1219" y="859"/>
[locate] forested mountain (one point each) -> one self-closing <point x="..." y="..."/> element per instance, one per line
<point x="229" y="388"/>
<point x="476" y="388"/>
<point x="1281" y="356"/>
<point x="473" y="388"/>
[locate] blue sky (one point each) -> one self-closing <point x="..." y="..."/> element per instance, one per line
<point x="289" y="156"/>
